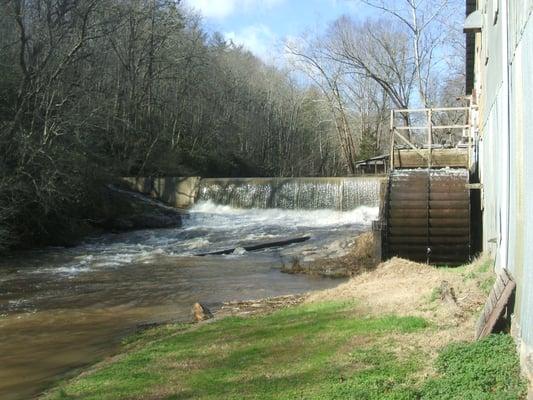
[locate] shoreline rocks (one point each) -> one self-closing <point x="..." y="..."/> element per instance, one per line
<point x="125" y="210"/>
<point x="200" y="312"/>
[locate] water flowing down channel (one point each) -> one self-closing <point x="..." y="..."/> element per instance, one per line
<point x="342" y="194"/>
<point x="62" y="308"/>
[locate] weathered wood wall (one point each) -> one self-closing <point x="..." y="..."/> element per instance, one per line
<point x="440" y="158"/>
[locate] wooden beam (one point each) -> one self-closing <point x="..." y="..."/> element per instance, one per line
<point x="419" y="128"/>
<point x="411" y="145"/>
<point x="440" y="158"/>
<point x="423" y="110"/>
<point x="498" y="299"/>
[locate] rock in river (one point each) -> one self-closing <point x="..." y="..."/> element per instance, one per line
<point x="200" y="312"/>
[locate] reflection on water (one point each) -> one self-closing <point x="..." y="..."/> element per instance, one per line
<point x="63" y="308"/>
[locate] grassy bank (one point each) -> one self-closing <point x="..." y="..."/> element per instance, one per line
<point x="322" y="350"/>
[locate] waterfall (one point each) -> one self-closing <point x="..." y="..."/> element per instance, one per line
<point x="292" y="193"/>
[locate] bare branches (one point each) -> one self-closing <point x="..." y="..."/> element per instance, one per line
<point x="423" y="21"/>
<point x="95" y="88"/>
<point x="329" y="78"/>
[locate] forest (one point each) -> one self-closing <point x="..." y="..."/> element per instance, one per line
<point x="91" y="90"/>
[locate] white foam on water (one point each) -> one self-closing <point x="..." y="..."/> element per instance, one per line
<point x="210" y="227"/>
<point x="213" y="216"/>
<point x="67" y="270"/>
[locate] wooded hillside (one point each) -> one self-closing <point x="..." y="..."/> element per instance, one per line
<point x="94" y="89"/>
<point x="98" y="88"/>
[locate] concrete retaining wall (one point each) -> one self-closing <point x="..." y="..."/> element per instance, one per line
<point x="177" y="192"/>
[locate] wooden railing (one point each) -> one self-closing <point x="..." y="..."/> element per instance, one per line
<point x="411" y="117"/>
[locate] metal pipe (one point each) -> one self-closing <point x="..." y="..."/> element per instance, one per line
<point x="505" y="138"/>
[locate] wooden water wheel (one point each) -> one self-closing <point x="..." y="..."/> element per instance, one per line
<point x="427" y="214"/>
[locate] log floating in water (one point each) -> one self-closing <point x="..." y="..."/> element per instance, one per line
<point x="259" y="246"/>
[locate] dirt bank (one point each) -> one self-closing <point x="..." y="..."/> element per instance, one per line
<point x="361" y="257"/>
<point x="261" y="306"/>
<point x="450" y="298"/>
<point x="382" y="342"/>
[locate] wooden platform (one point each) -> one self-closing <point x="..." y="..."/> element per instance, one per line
<point x="440" y="158"/>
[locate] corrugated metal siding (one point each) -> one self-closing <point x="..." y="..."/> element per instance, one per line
<point x="519" y="15"/>
<point x="490" y="170"/>
<point x="492" y="56"/>
<point x="521" y="61"/>
<point x="493" y="132"/>
<point x="496" y="129"/>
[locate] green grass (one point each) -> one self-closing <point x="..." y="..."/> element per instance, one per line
<point x="482" y="273"/>
<point x="319" y="351"/>
<point x="483" y="370"/>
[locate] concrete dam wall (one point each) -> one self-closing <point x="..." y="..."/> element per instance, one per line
<point x="179" y="192"/>
<point x="287" y="193"/>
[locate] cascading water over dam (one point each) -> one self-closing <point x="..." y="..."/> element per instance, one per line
<point x="341" y="194"/>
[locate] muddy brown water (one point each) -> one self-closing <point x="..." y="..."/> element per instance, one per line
<point x="63" y="309"/>
<point x="65" y="323"/>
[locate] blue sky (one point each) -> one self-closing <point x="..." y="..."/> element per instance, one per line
<point x="262" y="25"/>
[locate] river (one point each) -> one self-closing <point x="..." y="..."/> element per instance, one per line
<point x="64" y="308"/>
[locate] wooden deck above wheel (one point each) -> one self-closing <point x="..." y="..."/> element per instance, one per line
<point x="440" y="158"/>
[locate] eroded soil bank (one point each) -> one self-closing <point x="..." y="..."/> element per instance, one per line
<point x="354" y="258"/>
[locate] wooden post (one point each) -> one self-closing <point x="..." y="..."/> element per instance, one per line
<point x="380" y="237"/>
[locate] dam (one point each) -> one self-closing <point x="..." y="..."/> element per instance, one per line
<point x="332" y="193"/>
<point x="341" y="194"/>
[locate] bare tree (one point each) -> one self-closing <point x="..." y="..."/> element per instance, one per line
<point x="378" y="51"/>
<point x="311" y="58"/>
<point x="99" y="88"/>
<point x="423" y="21"/>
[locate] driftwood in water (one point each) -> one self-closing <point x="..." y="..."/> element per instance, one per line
<point x="260" y="246"/>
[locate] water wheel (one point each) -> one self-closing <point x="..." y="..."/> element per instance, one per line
<point x="427" y="214"/>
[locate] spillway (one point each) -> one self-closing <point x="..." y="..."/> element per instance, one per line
<point x="341" y="194"/>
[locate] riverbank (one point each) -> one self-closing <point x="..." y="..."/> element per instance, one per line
<point x="358" y="257"/>
<point x="402" y="331"/>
